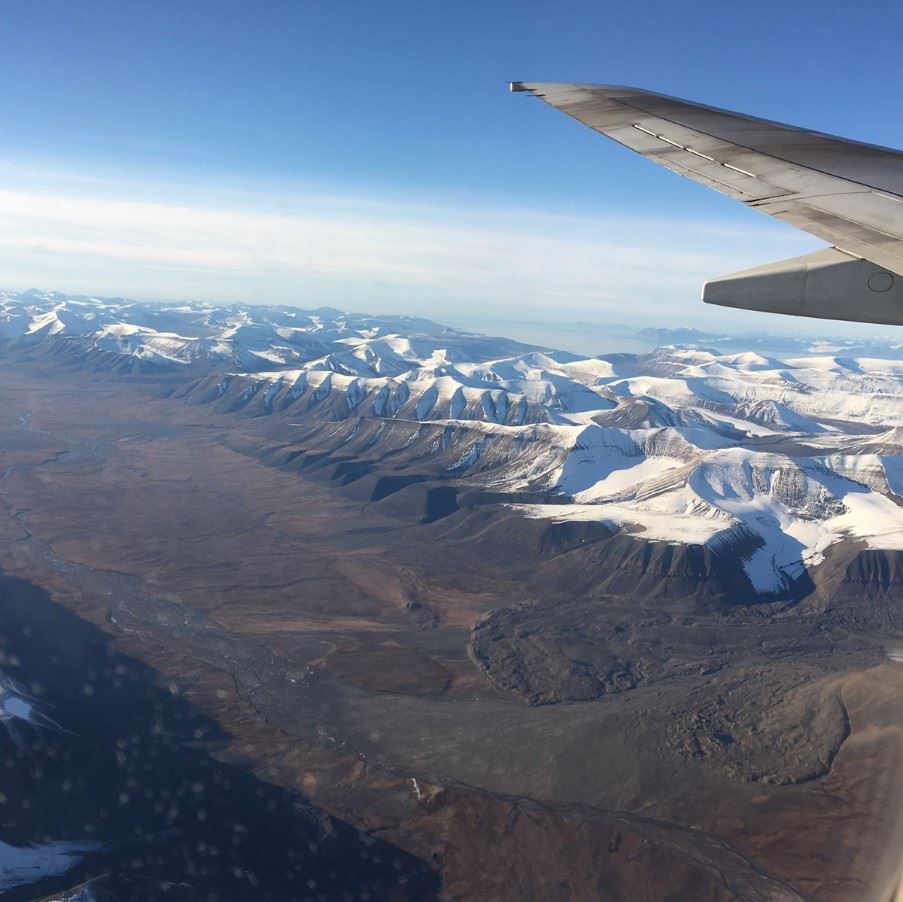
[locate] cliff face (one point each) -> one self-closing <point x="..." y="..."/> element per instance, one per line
<point x="629" y="566"/>
<point x="859" y="587"/>
<point x="873" y="573"/>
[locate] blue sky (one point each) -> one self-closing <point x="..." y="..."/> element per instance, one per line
<point x="367" y="154"/>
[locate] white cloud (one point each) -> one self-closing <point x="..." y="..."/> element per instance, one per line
<point x="369" y="252"/>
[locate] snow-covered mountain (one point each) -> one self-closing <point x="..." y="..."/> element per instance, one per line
<point x="780" y="457"/>
<point x="242" y="337"/>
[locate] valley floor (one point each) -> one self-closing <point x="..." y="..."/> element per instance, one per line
<point x="392" y="674"/>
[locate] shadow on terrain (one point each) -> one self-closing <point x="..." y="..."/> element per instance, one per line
<point x="131" y="770"/>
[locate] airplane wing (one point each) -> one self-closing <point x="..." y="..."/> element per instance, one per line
<point x="846" y="193"/>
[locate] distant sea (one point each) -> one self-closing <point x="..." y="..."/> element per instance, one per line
<point x="595" y="339"/>
<point x="589" y="339"/>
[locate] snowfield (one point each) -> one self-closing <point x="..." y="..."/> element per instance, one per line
<point x="24" y="865"/>
<point x="678" y="445"/>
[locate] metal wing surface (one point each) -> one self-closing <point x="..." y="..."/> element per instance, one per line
<point x="845" y="192"/>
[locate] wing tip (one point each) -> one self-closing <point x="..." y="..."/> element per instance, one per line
<point x="551" y="88"/>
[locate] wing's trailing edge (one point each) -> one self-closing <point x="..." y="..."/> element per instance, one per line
<point x="846" y="193"/>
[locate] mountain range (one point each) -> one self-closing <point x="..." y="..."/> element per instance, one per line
<point x="772" y="460"/>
